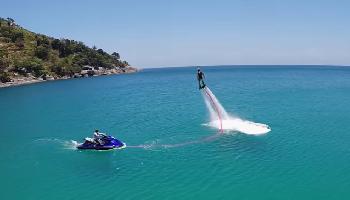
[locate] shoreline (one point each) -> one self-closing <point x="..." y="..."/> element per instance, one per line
<point x="20" y="81"/>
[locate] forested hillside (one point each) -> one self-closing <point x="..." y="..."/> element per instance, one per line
<point x="25" y="53"/>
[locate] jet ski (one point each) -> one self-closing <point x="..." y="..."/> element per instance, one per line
<point x="105" y="143"/>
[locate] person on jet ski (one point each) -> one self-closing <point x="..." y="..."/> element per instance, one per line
<point x="98" y="137"/>
<point x="200" y="78"/>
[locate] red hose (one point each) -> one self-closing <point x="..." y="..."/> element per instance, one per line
<point x="216" y="108"/>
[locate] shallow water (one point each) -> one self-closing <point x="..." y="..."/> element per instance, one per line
<point x="305" y="156"/>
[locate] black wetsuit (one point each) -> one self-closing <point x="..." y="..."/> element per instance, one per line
<point x="200" y="77"/>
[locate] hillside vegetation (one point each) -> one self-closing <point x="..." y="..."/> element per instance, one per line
<point x="24" y="53"/>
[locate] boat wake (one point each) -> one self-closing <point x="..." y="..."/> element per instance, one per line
<point x="221" y="120"/>
<point x="66" y="144"/>
<point x="155" y="145"/>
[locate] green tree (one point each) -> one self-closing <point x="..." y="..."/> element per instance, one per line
<point x="4" y="77"/>
<point x="10" y="21"/>
<point x="30" y="65"/>
<point x="4" y="62"/>
<point x="42" y="41"/>
<point x="55" y="44"/>
<point x="116" y="55"/>
<point x="42" y="52"/>
<point x="20" y="43"/>
<point x="16" y="35"/>
<point x="100" y="51"/>
<point x="64" y="67"/>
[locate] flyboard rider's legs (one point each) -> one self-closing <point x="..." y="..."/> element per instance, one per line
<point x="201" y="83"/>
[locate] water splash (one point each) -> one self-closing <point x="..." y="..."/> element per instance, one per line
<point x="72" y="144"/>
<point x="221" y="120"/>
<point x="66" y="144"/>
<point x="215" y="108"/>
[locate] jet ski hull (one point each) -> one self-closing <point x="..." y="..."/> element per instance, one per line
<point x="100" y="147"/>
<point x="109" y="143"/>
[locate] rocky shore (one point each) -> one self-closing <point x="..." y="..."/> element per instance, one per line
<point x="30" y="79"/>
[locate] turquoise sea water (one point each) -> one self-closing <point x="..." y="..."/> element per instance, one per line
<point x="305" y="156"/>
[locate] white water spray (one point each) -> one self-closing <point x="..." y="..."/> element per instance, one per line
<point x="66" y="144"/>
<point x="221" y="120"/>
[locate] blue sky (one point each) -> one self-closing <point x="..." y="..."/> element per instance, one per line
<point x="156" y="33"/>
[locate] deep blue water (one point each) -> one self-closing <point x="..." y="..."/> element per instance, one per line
<point x="305" y="156"/>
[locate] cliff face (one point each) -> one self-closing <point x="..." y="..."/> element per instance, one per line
<point x="24" y="54"/>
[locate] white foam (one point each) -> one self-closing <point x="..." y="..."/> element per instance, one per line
<point x="220" y="119"/>
<point x="243" y="126"/>
<point x="70" y="144"/>
<point x="67" y="144"/>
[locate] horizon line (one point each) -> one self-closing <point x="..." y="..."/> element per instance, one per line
<point x="246" y="65"/>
